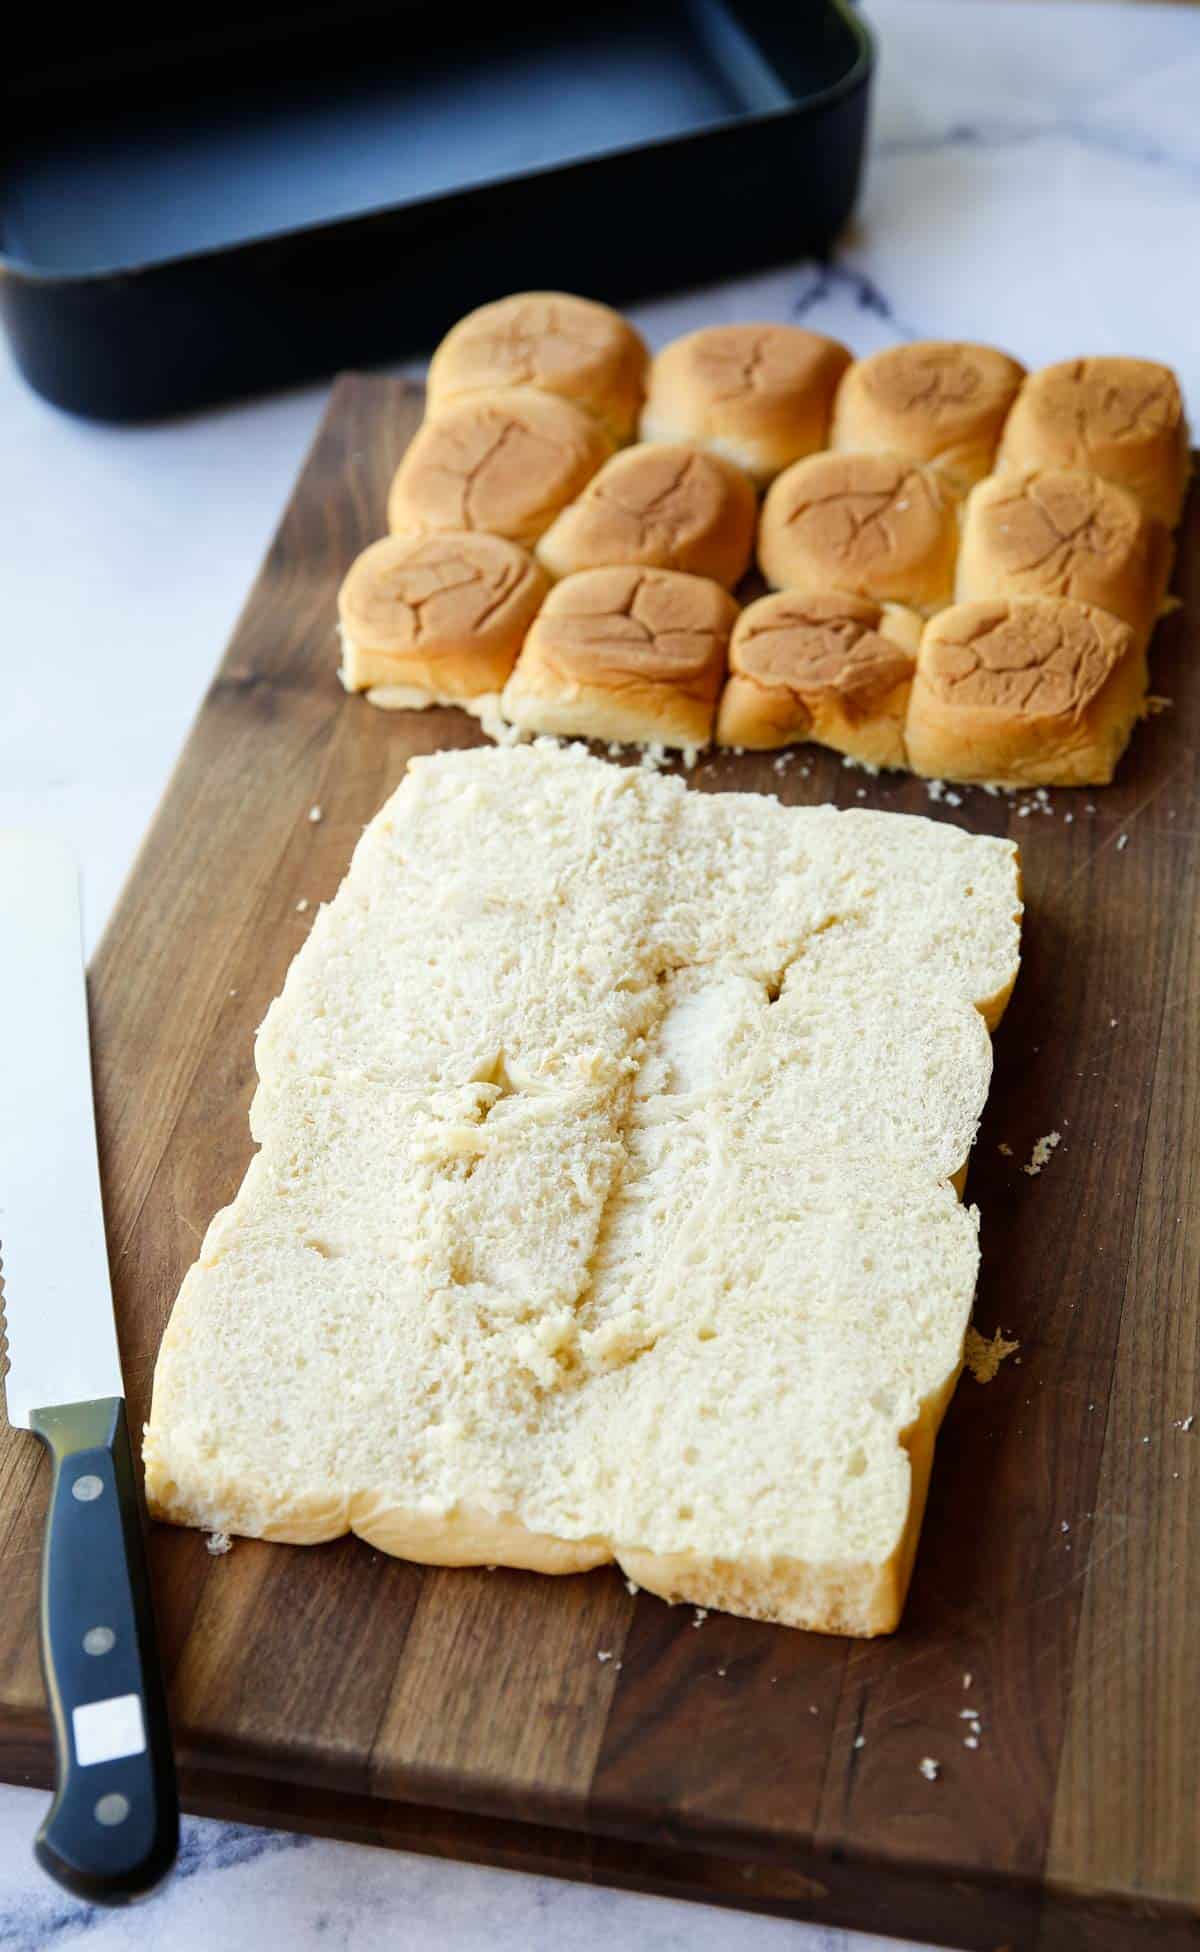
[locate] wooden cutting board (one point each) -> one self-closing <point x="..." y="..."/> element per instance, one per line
<point x="467" y="1712"/>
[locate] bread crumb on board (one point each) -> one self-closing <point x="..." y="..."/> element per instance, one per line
<point x="218" y="1543"/>
<point x="700" y="1616"/>
<point x="315" y="814"/>
<point x="937" y="789"/>
<point x="1040" y="1155"/>
<point x="983" y="1359"/>
<point x="930" y="1769"/>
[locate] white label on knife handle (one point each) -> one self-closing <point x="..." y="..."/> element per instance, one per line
<point x="107" y="1730"/>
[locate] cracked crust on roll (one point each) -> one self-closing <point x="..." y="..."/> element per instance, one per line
<point x="871" y="525"/>
<point x="439" y="616"/>
<point x="629" y="654"/>
<point x="667" y="506"/>
<point x="939" y="401"/>
<point x="1024" y="691"/>
<point x="761" y="395"/>
<point x="504" y="462"/>
<point x="1119" y="418"/>
<point x="582" y="351"/>
<point x="834" y="669"/>
<point x="1062" y="532"/>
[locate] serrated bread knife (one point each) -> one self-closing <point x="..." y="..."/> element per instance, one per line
<point x="113" y="1828"/>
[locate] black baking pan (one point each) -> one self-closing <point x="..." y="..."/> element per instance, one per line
<point x="257" y="195"/>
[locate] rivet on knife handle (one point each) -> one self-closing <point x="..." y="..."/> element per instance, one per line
<point x="113" y="1828"/>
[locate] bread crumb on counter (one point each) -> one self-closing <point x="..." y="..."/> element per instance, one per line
<point x="983" y="1359"/>
<point x="218" y="1543"/>
<point x="930" y="1769"/>
<point x="315" y="814"/>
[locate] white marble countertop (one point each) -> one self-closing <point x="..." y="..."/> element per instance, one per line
<point x="1034" y="179"/>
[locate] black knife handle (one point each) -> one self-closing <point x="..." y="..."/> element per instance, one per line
<point x="112" y="1830"/>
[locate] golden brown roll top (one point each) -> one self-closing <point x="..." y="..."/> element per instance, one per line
<point x="582" y="351"/>
<point x="873" y="525"/>
<point x="940" y="401"/>
<point x="1061" y="532"/>
<point x="624" y="654"/>
<point x="667" y="506"/>
<point x="1024" y="691"/>
<point x="503" y="462"/>
<point x="834" y="669"/>
<point x="436" y="619"/>
<point x="761" y="395"/>
<point x="1119" y="418"/>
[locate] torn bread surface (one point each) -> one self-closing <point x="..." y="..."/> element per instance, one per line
<point x="604" y="1204"/>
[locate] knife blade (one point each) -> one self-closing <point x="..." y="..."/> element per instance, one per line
<point x="112" y="1830"/>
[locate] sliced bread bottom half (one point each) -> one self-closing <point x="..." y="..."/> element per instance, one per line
<point x="605" y="1203"/>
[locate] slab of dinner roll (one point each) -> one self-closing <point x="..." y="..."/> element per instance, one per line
<point x="934" y="400"/>
<point x="1120" y="418"/>
<point x="761" y="395"/>
<point x="585" y="352"/>
<point x="629" y="654"/>
<point x="665" y="505"/>
<point x="834" y="669"/>
<point x="436" y="619"/>
<point x="505" y="462"/>
<point x="873" y="525"/>
<point x="1061" y="532"/>
<point x="604" y="1205"/>
<point x="1024" y="691"/>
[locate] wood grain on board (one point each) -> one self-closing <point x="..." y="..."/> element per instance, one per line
<point x="333" y="1689"/>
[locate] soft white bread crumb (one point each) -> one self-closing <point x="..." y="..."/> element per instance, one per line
<point x="603" y="1208"/>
